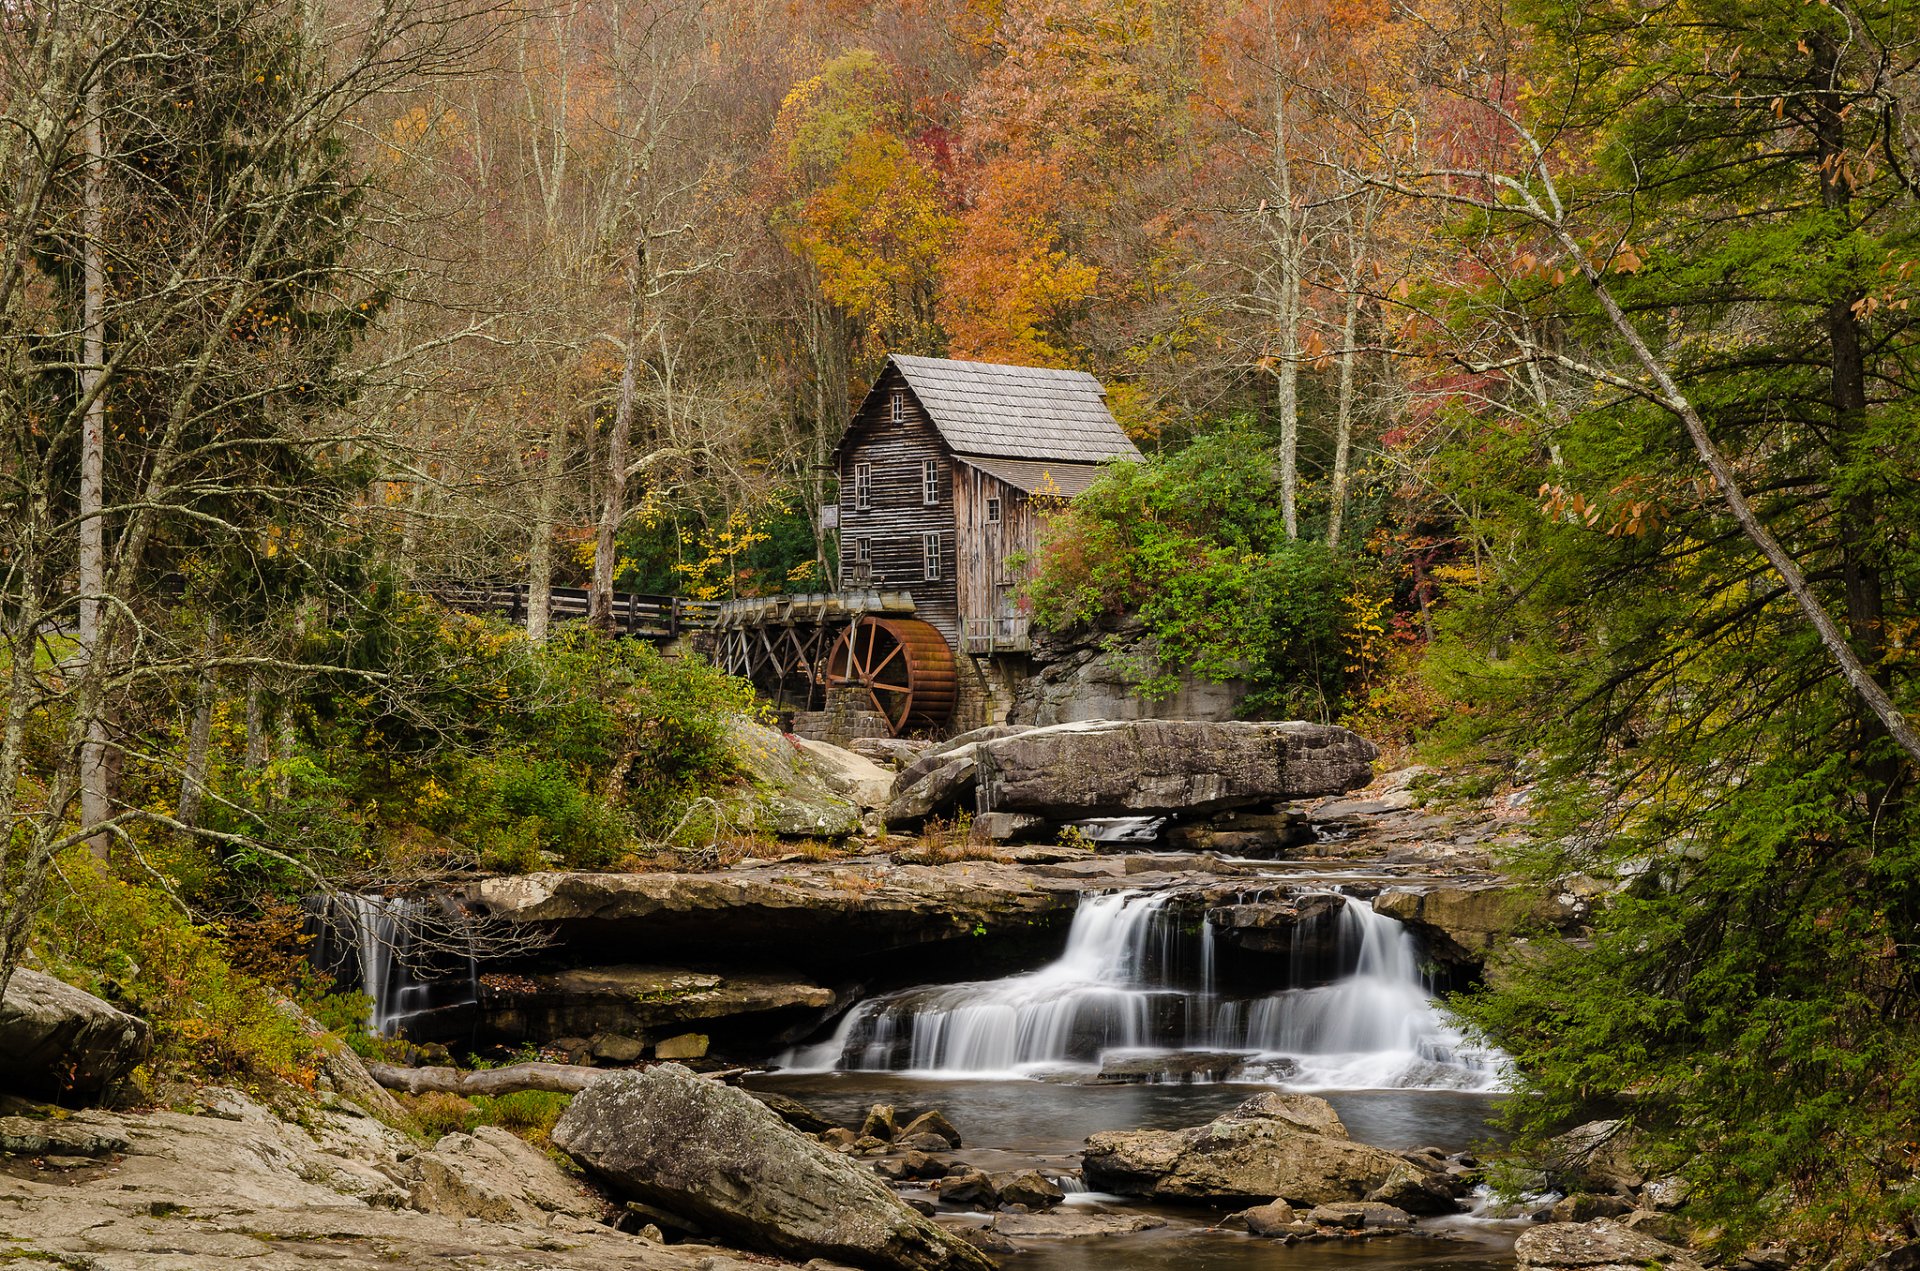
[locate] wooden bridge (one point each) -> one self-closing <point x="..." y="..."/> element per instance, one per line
<point x="796" y="648"/>
<point x="642" y="615"/>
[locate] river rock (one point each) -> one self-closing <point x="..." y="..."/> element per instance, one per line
<point x="56" y="1039"/>
<point x="1249" y="1154"/>
<point x="1271" y="1219"/>
<point x="1160" y="767"/>
<point x="1598" y="1155"/>
<point x="932" y="1121"/>
<point x="1302" y="1111"/>
<point x="1179" y="1068"/>
<point x="715" y="1154"/>
<point x="1027" y="1187"/>
<point x="969" y="1186"/>
<point x="1419" y="1190"/>
<point x="1586" y="1206"/>
<point x="1073" y="1225"/>
<point x="797" y="1114"/>
<point x="944" y="784"/>
<point x="879" y="1123"/>
<point x="1359" y="1214"/>
<point x="1595" y="1246"/>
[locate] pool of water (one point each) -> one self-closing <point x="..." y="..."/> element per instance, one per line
<point x="1009" y="1123"/>
<point x="1045" y="1117"/>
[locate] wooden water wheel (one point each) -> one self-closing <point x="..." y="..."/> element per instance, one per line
<point x="904" y="665"/>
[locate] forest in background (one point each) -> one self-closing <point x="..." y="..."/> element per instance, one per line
<point x="1526" y="382"/>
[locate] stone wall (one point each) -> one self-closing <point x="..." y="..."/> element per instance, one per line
<point x="1096" y="674"/>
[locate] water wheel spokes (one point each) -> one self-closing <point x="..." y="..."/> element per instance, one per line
<point x="903" y="664"/>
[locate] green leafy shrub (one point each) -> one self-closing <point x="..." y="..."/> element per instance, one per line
<point x="1194" y="544"/>
<point x="131" y="944"/>
<point x="520" y="754"/>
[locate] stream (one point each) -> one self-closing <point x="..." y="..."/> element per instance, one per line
<point x="1015" y="1063"/>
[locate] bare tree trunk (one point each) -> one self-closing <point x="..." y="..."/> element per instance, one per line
<point x="1343" y="417"/>
<point x="540" y="549"/>
<point x="93" y="550"/>
<point x="193" y="773"/>
<point x="256" y="722"/>
<point x="619" y="445"/>
<point x="1287" y="372"/>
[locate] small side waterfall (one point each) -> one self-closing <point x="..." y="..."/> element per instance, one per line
<point x="397" y="950"/>
<point x="1131" y="979"/>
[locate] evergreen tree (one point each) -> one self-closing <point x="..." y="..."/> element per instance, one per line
<point x="1734" y="178"/>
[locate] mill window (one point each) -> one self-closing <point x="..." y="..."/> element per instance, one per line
<point x="930" y="482"/>
<point x="863" y="552"/>
<point x="862" y="486"/>
<point x="993" y="511"/>
<point x="930" y="556"/>
<point x="897" y="406"/>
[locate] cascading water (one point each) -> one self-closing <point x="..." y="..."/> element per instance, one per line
<point x="393" y="946"/>
<point x="1132" y="980"/>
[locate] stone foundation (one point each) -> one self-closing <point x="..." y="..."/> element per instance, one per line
<point x="849" y="715"/>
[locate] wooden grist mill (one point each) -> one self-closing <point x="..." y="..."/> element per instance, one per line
<point x="945" y="473"/>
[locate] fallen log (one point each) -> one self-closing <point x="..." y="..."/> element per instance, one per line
<point x="556" y="1078"/>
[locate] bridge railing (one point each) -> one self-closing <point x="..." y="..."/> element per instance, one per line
<point x="644" y="614"/>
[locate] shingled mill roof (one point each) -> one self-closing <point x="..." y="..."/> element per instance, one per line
<point x="1059" y="477"/>
<point x="1016" y="412"/>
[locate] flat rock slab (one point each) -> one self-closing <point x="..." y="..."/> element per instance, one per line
<point x="1071" y="1225"/>
<point x="1162" y="767"/>
<point x="651" y="1000"/>
<point x="241" y="1190"/>
<point x="808" y="915"/>
<point x="1595" y="1246"/>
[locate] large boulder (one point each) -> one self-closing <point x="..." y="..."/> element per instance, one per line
<point x="1162" y="767"/>
<point x="717" y="1156"/>
<point x="1595" y="1246"/>
<point x="846" y="773"/>
<point x="58" y="1040"/>
<point x="1288" y="1146"/>
<point x="1096" y="674"/>
<point x="788" y="793"/>
<point x="942" y="785"/>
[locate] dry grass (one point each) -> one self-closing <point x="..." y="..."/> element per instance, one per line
<point x="948" y="842"/>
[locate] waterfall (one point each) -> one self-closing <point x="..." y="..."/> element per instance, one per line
<point x="397" y="950"/>
<point x="1374" y="1025"/>
<point x="1131" y="979"/>
<point x="1098" y="995"/>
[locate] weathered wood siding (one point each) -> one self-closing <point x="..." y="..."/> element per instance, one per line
<point x="899" y="516"/>
<point x="988" y="586"/>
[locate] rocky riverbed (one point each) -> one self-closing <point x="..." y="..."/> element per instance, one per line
<point x="1014" y="1045"/>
